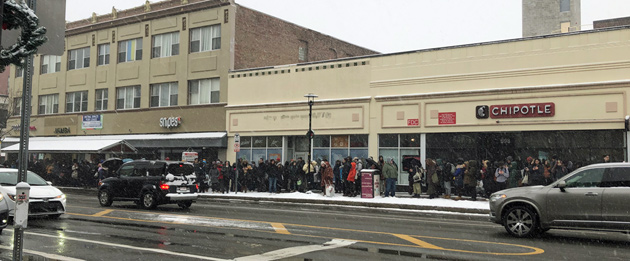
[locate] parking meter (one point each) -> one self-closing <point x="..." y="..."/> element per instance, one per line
<point x="22" y="191"/>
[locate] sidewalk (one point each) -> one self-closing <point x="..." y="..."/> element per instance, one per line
<point x="402" y="200"/>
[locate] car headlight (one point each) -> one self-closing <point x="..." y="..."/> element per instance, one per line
<point x="496" y="197"/>
<point x="62" y="196"/>
<point x="1" y="197"/>
<point x="12" y="197"/>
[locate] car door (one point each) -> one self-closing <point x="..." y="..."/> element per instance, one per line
<point x="124" y="174"/>
<point x="615" y="206"/>
<point x="137" y="180"/>
<point x="580" y="204"/>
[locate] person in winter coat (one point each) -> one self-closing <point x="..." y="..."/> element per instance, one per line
<point x="430" y="174"/>
<point x="338" y="176"/>
<point x="447" y="178"/>
<point x="390" y="171"/>
<point x="352" y="177"/>
<point x="458" y="177"/>
<point x="502" y="174"/>
<point x="560" y="170"/>
<point x="272" y="171"/>
<point x="416" y="178"/>
<point x="357" y="177"/>
<point x="292" y="177"/>
<point x="344" y="175"/>
<point x="379" y="166"/>
<point x="308" y="169"/>
<point x="213" y="172"/>
<point x="327" y="175"/>
<point x="470" y="179"/>
<point x="537" y="173"/>
<point x="228" y="173"/>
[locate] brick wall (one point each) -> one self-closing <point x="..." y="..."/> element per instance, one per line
<point x="611" y="22"/>
<point x="263" y="40"/>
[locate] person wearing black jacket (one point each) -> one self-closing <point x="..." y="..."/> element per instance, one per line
<point x="301" y="179"/>
<point x="337" y="177"/>
<point x="260" y="175"/>
<point x="228" y="176"/>
<point x="292" y="176"/>
<point x="272" y="171"/>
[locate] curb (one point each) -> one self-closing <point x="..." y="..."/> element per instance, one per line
<point x="92" y="191"/>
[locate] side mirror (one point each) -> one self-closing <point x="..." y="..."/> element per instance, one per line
<point x="562" y="185"/>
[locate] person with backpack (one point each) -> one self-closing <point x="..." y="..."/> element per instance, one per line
<point x="447" y="178"/>
<point x="502" y="174"/>
<point x="470" y="179"/>
<point x="458" y="177"/>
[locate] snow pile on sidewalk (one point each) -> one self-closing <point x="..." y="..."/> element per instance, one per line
<point x="437" y="202"/>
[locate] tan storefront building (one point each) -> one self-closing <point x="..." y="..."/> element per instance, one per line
<point x="562" y="95"/>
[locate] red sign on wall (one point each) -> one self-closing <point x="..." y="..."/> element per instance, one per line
<point x="447" y="118"/>
<point x="547" y="109"/>
<point x="413" y="122"/>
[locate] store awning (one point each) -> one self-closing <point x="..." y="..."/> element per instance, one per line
<point x="73" y="146"/>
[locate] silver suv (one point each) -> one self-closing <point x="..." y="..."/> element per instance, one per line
<point x="593" y="197"/>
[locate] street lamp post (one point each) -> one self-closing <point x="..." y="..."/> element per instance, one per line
<point x="309" y="134"/>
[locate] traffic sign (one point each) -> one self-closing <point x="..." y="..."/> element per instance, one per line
<point x="237" y="147"/>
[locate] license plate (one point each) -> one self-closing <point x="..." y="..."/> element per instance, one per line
<point x="183" y="189"/>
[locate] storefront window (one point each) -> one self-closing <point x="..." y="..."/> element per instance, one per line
<point x="274" y="154"/>
<point x="403" y="155"/>
<point x="410" y="140"/>
<point x="338" y="154"/>
<point x="274" y="142"/>
<point x="388" y="140"/>
<point x="244" y="154"/>
<point x="259" y="154"/>
<point x="321" y="154"/>
<point x="322" y="141"/>
<point x="339" y="141"/>
<point x="360" y="141"/>
<point x="360" y="153"/>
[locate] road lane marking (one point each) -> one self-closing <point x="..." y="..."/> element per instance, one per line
<point x="280" y="229"/>
<point x="296" y="251"/>
<point x="103" y="213"/>
<point x="418" y="242"/>
<point x="45" y="255"/>
<point x="160" y="251"/>
<point x="534" y="250"/>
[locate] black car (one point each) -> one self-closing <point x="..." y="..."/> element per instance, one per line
<point x="148" y="183"/>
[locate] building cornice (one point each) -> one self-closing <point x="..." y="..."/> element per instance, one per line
<point x="301" y="103"/>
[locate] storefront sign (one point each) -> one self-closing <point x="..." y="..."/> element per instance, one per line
<point x="413" y="122"/>
<point x="522" y="110"/>
<point x="64" y="130"/>
<point x="447" y="118"/>
<point x="92" y="122"/>
<point x="189" y="156"/>
<point x="170" y="122"/>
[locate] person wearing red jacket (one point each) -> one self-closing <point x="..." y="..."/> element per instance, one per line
<point x="352" y="177"/>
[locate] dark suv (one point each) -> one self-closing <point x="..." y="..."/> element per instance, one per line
<point x="148" y="183"/>
<point x="593" y="197"/>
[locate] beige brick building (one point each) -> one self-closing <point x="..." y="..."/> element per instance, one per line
<point x="153" y="79"/>
<point x="563" y="95"/>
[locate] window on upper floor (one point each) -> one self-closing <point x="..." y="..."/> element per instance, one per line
<point x="50" y="64"/>
<point x="48" y="104"/>
<point x="17" y="106"/>
<point x="101" y="100"/>
<point x="165" y="45"/>
<point x="203" y="91"/>
<point x="130" y="50"/>
<point x="76" y="101"/>
<point x="164" y="94"/>
<point x="128" y="98"/>
<point x="19" y="72"/>
<point x="565" y="5"/>
<point x="303" y="51"/>
<point x="103" y="54"/>
<point x="205" y="38"/>
<point x="79" y="58"/>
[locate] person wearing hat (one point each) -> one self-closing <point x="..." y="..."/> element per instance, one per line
<point x="390" y="172"/>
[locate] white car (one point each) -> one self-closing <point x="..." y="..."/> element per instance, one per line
<point x="44" y="199"/>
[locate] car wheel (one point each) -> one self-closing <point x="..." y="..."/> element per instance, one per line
<point x="520" y="221"/>
<point x="148" y="200"/>
<point x="104" y="198"/>
<point x="185" y="204"/>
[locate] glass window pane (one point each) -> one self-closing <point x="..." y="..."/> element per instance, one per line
<point x="214" y="97"/>
<point x="244" y="154"/>
<point x="259" y="142"/>
<point x="321" y="154"/>
<point x="321" y="141"/>
<point x="338" y="154"/>
<point x="359" y="153"/>
<point x="246" y="142"/>
<point x="388" y="140"/>
<point x="259" y="154"/>
<point x="339" y="141"/>
<point x="409" y="140"/>
<point x="204" y="85"/>
<point x="359" y="140"/>
<point x="274" y="142"/>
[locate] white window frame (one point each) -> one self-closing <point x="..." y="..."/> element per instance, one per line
<point x="129" y="96"/>
<point x="122" y="50"/>
<point x="102" y="96"/>
<point x="48" y="61"/>
<point x="204" y="39"/>
<point x="165" y="45"/>
<point x="161" y="99"/>
<point x="197" y="89"/>
<point x="74" y="99"/>
<point x="103" y="54"/>
<point x="49" y="103"/>
<point x="79" y="58"/>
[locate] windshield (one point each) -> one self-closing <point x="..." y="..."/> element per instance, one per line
<point x="10" y="178"/>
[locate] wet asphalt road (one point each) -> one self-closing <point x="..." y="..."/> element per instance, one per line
<point x="226" y="230"/>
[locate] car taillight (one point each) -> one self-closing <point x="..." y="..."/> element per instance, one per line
<point x="164" y="186"/>
<point x="197" y="186"/>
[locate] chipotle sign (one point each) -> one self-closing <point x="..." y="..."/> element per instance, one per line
<point x="547" y="109"/>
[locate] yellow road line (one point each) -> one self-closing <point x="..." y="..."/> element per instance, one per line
<point x="418" y="242"/>
<point x="103" y="213"/>
<point x="280" y="229"/>
<point x="535" y="250"/>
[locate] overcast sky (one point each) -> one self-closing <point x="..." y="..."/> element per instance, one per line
<point x="389" y="26"/>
